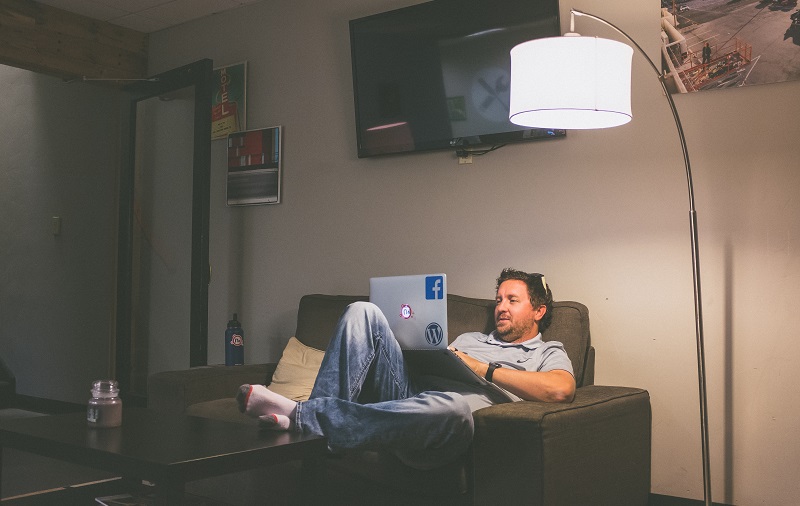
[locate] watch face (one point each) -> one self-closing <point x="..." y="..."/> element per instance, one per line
<point x="491" y="93"/>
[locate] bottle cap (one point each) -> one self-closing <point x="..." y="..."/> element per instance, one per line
<point x="234" y="322"/>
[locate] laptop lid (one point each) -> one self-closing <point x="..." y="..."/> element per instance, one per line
<point x="416" y="308"/>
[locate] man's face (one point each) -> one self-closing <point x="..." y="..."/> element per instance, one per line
<point x="515" y="317"/>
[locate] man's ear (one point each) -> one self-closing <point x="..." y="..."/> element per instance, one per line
<point x="539" y="313"/>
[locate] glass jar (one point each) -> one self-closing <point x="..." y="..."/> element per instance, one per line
<point x="105" y="406"/>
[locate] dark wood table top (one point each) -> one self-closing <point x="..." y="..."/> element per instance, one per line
<point x="158" y="446"/>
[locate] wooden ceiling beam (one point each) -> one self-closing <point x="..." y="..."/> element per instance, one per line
<point x="52" y="41"/>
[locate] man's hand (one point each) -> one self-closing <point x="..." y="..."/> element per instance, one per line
<point x="477" y="366"/>
<point x="550" y="386"/>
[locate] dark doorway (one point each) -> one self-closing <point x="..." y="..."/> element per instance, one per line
<point x="163" y="269"/>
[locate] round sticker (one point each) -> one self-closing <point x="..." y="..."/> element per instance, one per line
<point x="434" y="334"/>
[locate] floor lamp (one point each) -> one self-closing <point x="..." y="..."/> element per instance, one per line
<point x="575" y="82"/>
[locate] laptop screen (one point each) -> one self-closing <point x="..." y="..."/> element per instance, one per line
<point x="416" y="308"/>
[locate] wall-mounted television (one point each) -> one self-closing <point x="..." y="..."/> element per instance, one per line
<point x="436" y="75"/>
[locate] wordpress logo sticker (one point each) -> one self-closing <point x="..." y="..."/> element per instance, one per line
<point x="434" y="334"/>
<point x="434" y="287"/>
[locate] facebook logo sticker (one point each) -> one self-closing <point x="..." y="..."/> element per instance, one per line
<point x="434" y="287"/>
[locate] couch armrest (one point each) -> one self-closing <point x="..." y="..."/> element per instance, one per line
<point x="174" y="391"/>
<point x="594" y="450"/>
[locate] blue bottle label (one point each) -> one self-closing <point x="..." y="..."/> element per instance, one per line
<point x="234" y="347"/>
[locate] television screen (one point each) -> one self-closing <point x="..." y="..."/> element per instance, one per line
<point x="436" y="75"/>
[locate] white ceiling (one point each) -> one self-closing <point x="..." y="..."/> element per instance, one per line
<point x="146" y="15"/>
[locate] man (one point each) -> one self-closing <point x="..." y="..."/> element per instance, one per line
<point x="706" y="54"/>
<point x="364" y="397"/>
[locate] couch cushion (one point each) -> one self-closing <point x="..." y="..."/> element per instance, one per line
<point x="465" y="314"/>
<point x="317" y="317"/>
<point x="570" y="326"/>
<point x="220" y="409"/>
<point x="296" y="371"/>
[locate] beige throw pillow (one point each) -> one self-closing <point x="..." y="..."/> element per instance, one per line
<point x="296" y="371"/>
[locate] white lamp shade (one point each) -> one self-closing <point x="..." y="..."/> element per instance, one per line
<point x="571" y="82"/>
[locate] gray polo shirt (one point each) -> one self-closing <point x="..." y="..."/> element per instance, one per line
<point x="532" y="355"/>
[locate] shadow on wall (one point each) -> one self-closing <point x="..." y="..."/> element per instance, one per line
<point x="728" y="372"/>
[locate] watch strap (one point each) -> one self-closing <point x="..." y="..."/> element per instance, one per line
<point x="490" y="370"/>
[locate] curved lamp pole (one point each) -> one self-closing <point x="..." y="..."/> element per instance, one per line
<point x="575" y="82"/>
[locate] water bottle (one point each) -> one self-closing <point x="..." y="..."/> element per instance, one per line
<point x="234" y="342"/>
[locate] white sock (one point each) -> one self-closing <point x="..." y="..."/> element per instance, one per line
<point x="275" y="422"/>
<point x="273" y="410"/>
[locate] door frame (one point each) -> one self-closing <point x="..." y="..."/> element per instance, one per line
<point x="198" y="74"/>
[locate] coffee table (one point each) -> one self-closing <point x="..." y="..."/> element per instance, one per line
<point x="165" y="449"/>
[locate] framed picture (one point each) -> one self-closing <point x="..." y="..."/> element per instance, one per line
<point x="254" y="167"/>
<point x="228" y="100"/>
<point x="710" y="45"/>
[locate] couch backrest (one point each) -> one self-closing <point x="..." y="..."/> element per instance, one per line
<point x="317" y="317"/>
<point x="318" y="314"/>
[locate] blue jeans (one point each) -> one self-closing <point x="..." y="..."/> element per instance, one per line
<point x="364" y="398"/>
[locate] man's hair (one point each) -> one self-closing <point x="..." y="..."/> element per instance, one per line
<point x="538" y="292"/>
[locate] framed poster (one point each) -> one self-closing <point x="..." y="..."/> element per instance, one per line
<point x="228" y="100"/>
<point x="254" y="167"/>
<point x="714" y="44"/>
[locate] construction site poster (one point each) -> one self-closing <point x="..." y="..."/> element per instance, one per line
<point x="228" y="109"/>
<point x="714" y="44"/>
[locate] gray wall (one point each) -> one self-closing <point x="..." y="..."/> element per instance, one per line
<point x="59" y="158"/>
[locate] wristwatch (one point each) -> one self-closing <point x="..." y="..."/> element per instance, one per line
<point x="490" y="370"/>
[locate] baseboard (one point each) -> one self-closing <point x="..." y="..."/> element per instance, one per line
<point x="668" y="500"/>
<point x="49" y="406"/>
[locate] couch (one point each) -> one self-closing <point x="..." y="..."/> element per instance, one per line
<point x="592" y="451"/>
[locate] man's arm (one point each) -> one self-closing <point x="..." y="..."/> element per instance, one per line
<point x="552" y="386"/>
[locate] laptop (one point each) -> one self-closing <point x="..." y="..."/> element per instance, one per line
<point x="416" y="308"/>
